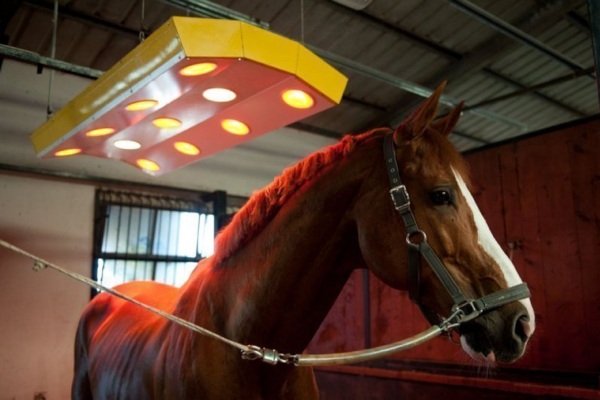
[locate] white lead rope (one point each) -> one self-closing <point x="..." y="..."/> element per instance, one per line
<point x="40" y="264"/>
<point x="251" y="352"/>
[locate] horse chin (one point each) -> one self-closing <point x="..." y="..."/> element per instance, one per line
<point x="489" y="359"/>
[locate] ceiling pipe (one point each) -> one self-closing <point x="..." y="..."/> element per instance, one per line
<point x="507" y="29"/>
<point x="533" y="90"/>
<point x="379" y="21"/>
<point x="198" y="7"/>
<point x="478" y="57"/>
<point x="7" y="11"/>
<point x="208" y="9"/>
<point x="407" y="86"/>
<point x="594" y="15"/>
<point x="31" y="57"/>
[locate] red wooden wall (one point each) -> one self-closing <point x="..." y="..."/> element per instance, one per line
<point x="540" y="195"/>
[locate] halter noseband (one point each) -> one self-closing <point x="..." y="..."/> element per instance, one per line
<point x="464" y="308"/>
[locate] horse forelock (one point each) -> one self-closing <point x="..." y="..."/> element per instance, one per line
<point x="264" y="204"/>
<point x="439" y="157"/>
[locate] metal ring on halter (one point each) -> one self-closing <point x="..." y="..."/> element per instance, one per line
<point x="417" y="232"/>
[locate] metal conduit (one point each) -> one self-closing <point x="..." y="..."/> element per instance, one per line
<point x="507" y="29"/>
<point x="407" y="86"/>
<point x="37" y="59"/>
<point x="206" y="8"/>
<point x="594" y="15"/>
<point x="209" y="9"/>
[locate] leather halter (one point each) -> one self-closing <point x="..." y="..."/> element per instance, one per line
<point x="464" y="307"/>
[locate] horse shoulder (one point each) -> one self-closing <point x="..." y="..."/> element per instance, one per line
<point x="104" y="308"/>
<point x="116" y="337"/>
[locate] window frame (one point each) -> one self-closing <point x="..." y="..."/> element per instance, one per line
<point x="155" y="204"/>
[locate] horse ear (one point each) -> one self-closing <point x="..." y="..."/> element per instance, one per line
<point x="421" y="118"/>
<point x="447" y="123"/>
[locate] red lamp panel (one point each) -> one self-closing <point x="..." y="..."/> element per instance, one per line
<point x="257" y="88"/>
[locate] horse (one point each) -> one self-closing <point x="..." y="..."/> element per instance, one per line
<point x="284" y="258"/>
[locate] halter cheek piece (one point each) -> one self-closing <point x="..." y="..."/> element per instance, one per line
<point x="464" y="308"/>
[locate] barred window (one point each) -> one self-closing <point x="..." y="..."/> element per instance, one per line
<point x="148" y="237"/>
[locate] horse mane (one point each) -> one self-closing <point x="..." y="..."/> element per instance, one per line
<point x="265" y="203"/>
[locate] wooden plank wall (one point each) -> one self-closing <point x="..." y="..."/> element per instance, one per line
<point x="541" y="198"/>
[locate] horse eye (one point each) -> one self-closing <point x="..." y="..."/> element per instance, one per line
<point x="441" y="197"/>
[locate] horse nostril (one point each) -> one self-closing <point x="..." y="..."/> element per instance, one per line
<point x="522" y="328"/>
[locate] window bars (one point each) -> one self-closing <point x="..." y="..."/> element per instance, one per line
<point x="140" y="236"/>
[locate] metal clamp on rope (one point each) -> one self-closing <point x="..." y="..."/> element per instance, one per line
<point x="468" y="310"/>
<point x="269" y="356"/>
<point x="38" y="265"/>
<point x="462" y="313"/>
<point x="400" y="198"/>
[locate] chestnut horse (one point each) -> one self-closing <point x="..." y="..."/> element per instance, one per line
<point x="283" y="260"/>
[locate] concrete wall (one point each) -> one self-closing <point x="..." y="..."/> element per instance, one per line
<point x="39" y="310"/>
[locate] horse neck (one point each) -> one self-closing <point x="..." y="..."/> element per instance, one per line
<point x="278" y="288"/>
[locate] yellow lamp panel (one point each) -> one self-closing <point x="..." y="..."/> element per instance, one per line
<point x="255" y="65"/>
<point x="111" y="88"/>
<point x="166" y="123"/>
<point x="269" y="48"/>
<point x="67" y="152"/>
<point x="141" y="105"/>
<point x="198" y="69"/>
<point x="209" y="37"/>
<point x="320" y="75"/>
<point x="148" y="165"/>
<point x="186" y="148"/>
<point x="235" y="127"/>
<point x="100" y="132"/>
<point x="297" y="99"/>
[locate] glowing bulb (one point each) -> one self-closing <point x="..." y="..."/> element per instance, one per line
<point x="297" y="99"/>
<point x="100" y="132"/>
<point x="148" y="165"/>
<point x="141" y="105"/>
<point x="219" y="95"/>
<point x="67" y="152"/>
<point x="198" y="69"/>
<point x="127" y="144"/>
<point x="235" y="127"/>
<point x="186" y="148"/>
<point x="167" y="123"/>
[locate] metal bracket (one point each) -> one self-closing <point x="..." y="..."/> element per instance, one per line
<point x="468" y="310"/>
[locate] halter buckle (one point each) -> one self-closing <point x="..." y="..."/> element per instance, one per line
<point x="400" y="198"/>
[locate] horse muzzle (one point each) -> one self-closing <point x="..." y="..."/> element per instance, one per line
<point x="498" y="336"/>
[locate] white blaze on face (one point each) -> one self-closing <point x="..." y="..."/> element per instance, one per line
<point x="492" y="248"/>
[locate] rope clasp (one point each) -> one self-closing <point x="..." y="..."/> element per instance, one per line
<point x="269" y="356"/>
<point x="39" y="265"/>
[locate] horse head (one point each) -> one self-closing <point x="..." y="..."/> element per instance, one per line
<point x="434" y="176"/>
